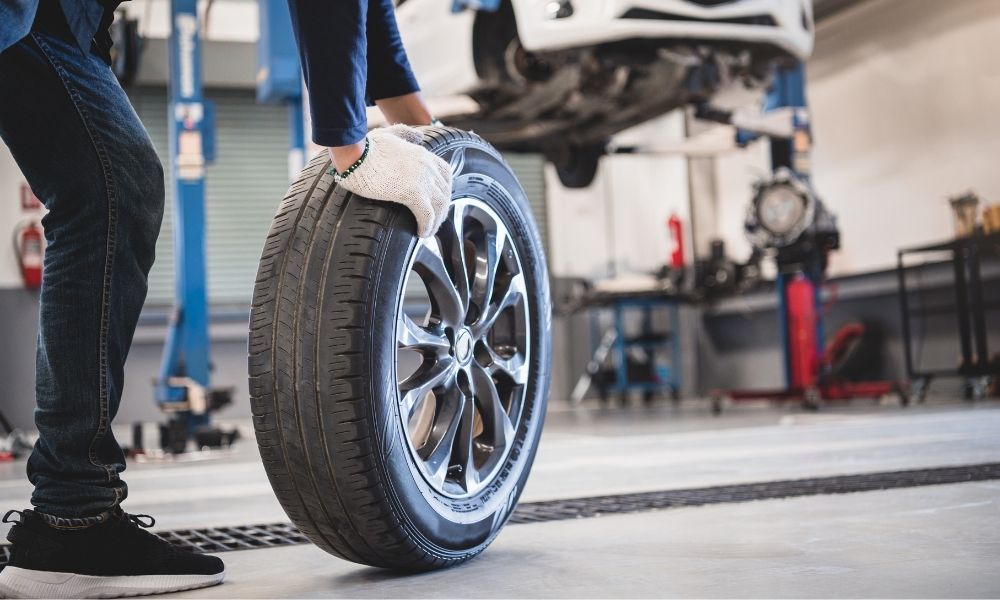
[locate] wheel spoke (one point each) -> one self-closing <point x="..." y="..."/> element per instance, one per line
<point x="426" y="379"/>
<point x="446" y="429"/>
<point x="464" y="448"/>
<point x="410" y="336"/>
<point x="452" y="236"/>
<point x="514" y="293"/>
<point x="491" y="408"/>
<point x="487" y="260"/>
<point x="445" y="300"/>
<point x="485" y="271"/>
<point x="513" y="366"/>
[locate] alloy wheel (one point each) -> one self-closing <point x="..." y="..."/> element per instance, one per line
<point x="462" y="337"/>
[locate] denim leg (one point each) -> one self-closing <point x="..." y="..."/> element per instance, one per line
<point x="83" y="150"/>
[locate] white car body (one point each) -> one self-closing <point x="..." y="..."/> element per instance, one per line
<point x="600" y="21"/>
<point x="439" y="45"/>
<point x="555" y="74"/>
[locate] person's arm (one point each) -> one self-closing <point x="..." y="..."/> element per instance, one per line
<point x="409" y="110"/>
<point x="391" y="83"/>
<point x="388" y="164"/>
<point x="333" y="49"/>
<point x="340" y="42"/>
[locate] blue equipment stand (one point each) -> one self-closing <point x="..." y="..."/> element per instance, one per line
<point x="183" y="386"/>
<point x="609" y="369"/>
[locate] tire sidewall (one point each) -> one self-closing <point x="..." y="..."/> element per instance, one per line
<point x="449" y="526"/>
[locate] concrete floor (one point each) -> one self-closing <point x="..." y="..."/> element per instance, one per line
<point x="936" y="541"/>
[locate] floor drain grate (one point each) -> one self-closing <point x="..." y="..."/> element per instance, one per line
<point x="581" y="508"/>
<point x="243" y="537"/>
<point x="249" y="537"/>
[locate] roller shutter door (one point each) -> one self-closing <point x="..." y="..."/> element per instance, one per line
<point x="530" y="170"/>
<point x="244" y="186"/>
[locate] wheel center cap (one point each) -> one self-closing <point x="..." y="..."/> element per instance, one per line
<point x="463" y="347"/>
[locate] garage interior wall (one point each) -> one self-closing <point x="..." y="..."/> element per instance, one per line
<point x="920" y="83"/>
<point x="920" y="74"/>
<point x="615" y="227"/>
<point x="904" y="96"/>
<point x="618" y="225"/>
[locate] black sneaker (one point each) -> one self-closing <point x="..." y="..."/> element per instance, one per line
<point x="111" y="559"/>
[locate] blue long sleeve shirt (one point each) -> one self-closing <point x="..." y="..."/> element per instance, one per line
<point x="88" y="20"/>
<point x="351" y="55"/>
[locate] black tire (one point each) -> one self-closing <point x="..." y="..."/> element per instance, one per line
<point x="322" y="364"/>
<point x="577" y="166"/>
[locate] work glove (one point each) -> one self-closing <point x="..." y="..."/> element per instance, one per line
<point x="397" y="168"/>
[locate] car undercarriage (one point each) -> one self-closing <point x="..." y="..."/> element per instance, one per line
<point x="568" y="103"/>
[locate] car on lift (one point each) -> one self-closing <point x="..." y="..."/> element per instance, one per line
<point x="561" y="77"/>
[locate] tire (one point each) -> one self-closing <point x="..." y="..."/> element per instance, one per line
<point x="327" y="330"/>
<point x="577" y="166"/>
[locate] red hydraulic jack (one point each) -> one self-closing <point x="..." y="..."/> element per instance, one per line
<point x="788" y="221"/>
<point x="806" y="360"/>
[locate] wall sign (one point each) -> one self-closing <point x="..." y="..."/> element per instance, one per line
<point x="29" y="201"/>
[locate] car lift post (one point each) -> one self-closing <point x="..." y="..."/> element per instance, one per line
<point x="483" y="5"/>
<point x="279" y="77"/>
<point x="800" y="302"/>
<point x="184" y="377"/>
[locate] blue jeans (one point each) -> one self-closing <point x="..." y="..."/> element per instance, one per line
<point x="86" y="155"/>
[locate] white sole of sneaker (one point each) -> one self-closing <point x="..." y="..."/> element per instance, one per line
<point x="25" y="583"/>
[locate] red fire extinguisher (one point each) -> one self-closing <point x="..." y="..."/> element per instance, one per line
<point x="677" y="239"/>
<point x="29" y="245"/>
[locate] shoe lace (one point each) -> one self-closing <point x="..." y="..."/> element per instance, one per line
<point x="137" y="530"/>
<point x="144" y="521"/>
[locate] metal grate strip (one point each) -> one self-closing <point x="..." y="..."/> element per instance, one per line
<point x="244" y="537"/>
<point x="249" y="537"/>
<point x="557" y="510"/>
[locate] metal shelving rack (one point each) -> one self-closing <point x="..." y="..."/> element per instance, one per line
<point x="976" y="299"/>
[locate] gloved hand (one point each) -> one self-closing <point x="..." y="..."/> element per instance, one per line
<point x="398" y="169"/>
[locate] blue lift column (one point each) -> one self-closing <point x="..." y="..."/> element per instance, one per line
<point x="279" y="77"/>
<point x="183" y="385"/>
<point x="789" y="91"/>
<point x="483" y="5"/>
